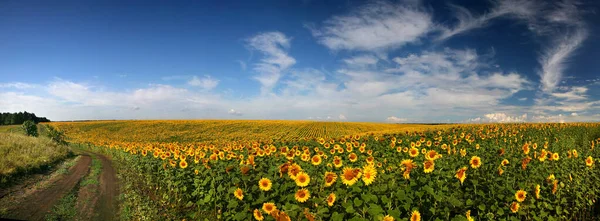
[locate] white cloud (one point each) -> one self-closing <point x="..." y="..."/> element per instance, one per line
<point x="394" y="119"/>
<point x="522" y="99"/>
<point x="555" y="57"/>
<point x="342" y="117"/>
<point x="206" y="82"/>
<point x="234" y="112"/>
<point x="376" y="26"/>
<point x="504" y="118"/>
<point x="522" y="9"/>
<point x="361" y="60"/>
<point x="574" y="93"/>
<point x="17" y="85"/>
<point x="274" y="46"/>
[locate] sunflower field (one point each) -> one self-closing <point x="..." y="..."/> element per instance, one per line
<point x="462" y="172"/>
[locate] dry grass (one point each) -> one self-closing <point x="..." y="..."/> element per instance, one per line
<point x="22" y="155"/>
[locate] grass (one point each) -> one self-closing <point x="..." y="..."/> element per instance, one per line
<point x="11" y="129"/>
<point x="64" y="209"/>
<point x="93" y="176"/>
<point x="22" y="155"/>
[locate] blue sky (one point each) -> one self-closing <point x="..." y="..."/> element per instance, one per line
<point x="382" y="61"/>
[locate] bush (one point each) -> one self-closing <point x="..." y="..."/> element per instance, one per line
<point x="30" y="128"/>
<point x="55" y="135"/>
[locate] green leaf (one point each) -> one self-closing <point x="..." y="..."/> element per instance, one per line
<point x="350" y="209"/>
<point x="375" y="210"/>
<point x="337" y="217"/>
<point x="357" y="202"/>
<point x="481" y="207"/>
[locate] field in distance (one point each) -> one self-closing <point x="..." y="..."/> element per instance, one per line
<point x="224" y="130"/>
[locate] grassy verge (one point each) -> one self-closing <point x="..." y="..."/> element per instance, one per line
<point x="94" y="175"/>
<point x="23" y="155"/>
<point x="64" y="209"/>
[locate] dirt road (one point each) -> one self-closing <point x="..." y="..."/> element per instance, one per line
<point x="37" y="204"/>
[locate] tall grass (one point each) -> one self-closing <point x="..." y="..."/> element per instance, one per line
<point x="21" y="155"/>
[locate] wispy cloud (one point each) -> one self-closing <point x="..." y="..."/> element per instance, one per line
<point x="206" y="82"/>
<point x="17" y="85"/>
<point x="274" y="46"/>
<point x="554" y="58"/>
<point x="376" y="26"/>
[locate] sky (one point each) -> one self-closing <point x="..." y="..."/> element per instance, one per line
<point x="378" y="61"/>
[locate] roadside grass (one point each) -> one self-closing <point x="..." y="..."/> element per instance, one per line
<point x="11" y="129"/>
<point x="64" y="209"/>
<point x="94" y="175"/>
<point x="23" y="155"/>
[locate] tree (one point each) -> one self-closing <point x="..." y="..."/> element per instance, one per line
<point x="30" y="128"/>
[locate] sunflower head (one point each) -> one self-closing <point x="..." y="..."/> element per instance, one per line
<point x="258" y="215"/>
<point x="461" y="174"/>
<point x="428" y="166"/>
<point x="269" y="207"/>
<point x="331" y="199"/>
<point x="415" y="216"/>
<point x="431" y="155"/>
<point x="316" y="160"/>
<point x="352" y="157"/>
<point x="537" y="191"/>
<point x="388" y="218"/>
<point x="589" y="161"/>
<point x="294" y="170"/>
<point x="520" y="195"/>
<point x="302" y="195"/>
<point x="238" y="193"/>
<point x="475" y="162"/>
<point x="505" y="162"/>
<point x="265" y="184"/>
<point x="514" y="207"/>
<point x="369" y="174"/>
<point x="330" y="178"/>
<point x="413" y="152"/>
<point x="349" y="176"/>
<point x="302" y="179"/>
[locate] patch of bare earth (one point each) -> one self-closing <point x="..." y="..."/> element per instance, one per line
<point x="35" y="203"/>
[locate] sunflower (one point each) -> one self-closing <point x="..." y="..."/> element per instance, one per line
<point x="589" y="161"/>
<point x="337" y="162"/>
<point x="463" y="152"/>
<point x="520" y="195"/>
<point x="461" y="174"/>
<point x="555" y="156"/>
<point x="550" y="178"/>
<point x="238" y="193"/>
<point x="407" y="166"/>
<point x="505" y="162"/>
<point x="352" y="157"/>
<point x="575" y="153"/>
<point x="294" y="170"/>
<point x="265" y="184"/>
<point x="302" y="179"/>
<point x="475" y="162"/>
<point x="316" y="160"/>
<point x="269" y="208"/>
<point x="369" y="174"/>
<point x="428" y="166"/>
<point x="183" y="164"/>
<point x="526" y="148"/>
<point x="514" y="207"/>
<point x="500" y="171"/>
<point x="388" y="218"/>
<point x="413" y="152"/>
<point x="554" y="186"/>
<point x="330" y="178"/>
<point x="331" y="199"/>
<point x="350" y="176"/>
<point x="302" y="195"/>
<point x="258" y="215"/>
<point x="468" y="214"/>
<point x="415" y="216"/>
<point x="431" y="155"/>
<point x="537" y="191"/>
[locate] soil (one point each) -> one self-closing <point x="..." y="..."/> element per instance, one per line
<point x="107" y="203"/>
<point x="38" y="204"/>
<point x="95" y="202"/>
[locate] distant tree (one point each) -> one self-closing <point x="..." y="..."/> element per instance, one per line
<point x="30" y="128"/>
<point x="20" y="118"/>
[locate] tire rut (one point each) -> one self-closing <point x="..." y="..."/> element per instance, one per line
<point x="37" y="205"/>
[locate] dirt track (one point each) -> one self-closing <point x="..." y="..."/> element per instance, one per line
<point x="38" y="204"/>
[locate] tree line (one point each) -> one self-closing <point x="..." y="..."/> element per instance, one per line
<point x="19" y="118"/>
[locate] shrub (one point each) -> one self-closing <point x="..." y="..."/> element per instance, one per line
<point x="30" y="128"/>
